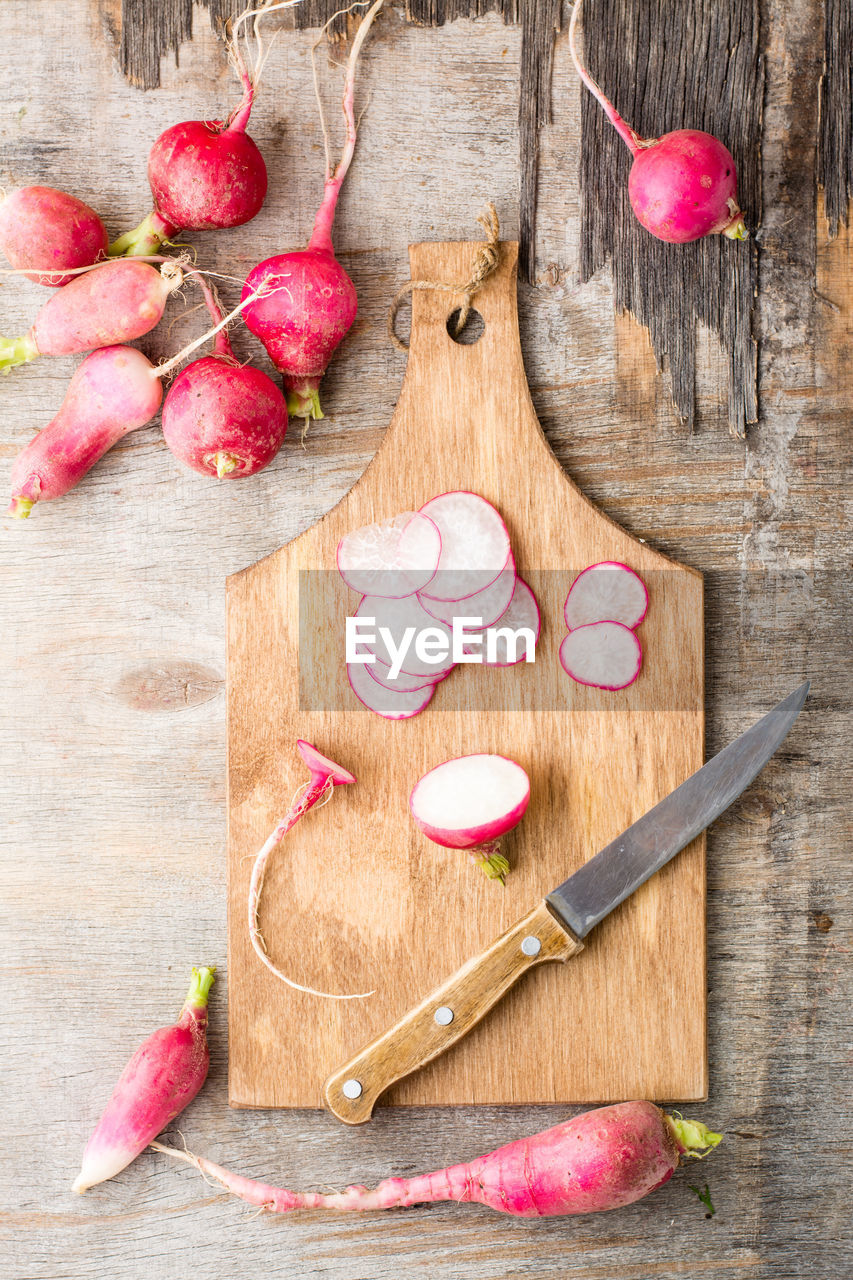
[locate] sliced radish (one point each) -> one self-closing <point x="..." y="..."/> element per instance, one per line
<point x="469" y="803"/>
<point x="606" y="592"/>
<point x="393" y="558"/>
<point x="391" y="704"/>
<point x="523" y="612"/>
<point x="402" y="684"/>
<point x="474" y="544"/>
<point x="606" y="655"/>
<point x="487" y="605"/>
<point x="397" y="617"/>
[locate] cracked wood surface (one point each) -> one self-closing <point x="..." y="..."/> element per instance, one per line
<point x="112" y="731"/>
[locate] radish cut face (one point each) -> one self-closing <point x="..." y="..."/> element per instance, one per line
<point x="470" y="800"/>
<point x="523" y="612"/>
<point x="404" y="620"/>
<point x="394" y="558"/>
<point x="488" y="605"/>
<point x="606" y="592"/>
<point x="603" y="654"/>
<point x="391" y="704"/>
<point x="320" y="765"/>
<point x="474" y="544"/>
<point x="401" y="683"/>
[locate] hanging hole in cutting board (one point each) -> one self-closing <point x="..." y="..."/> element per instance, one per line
<point x="475" y="327"/>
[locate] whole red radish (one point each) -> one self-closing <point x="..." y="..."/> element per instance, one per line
<point x="50" y="231"/>
<point x="683" y="185"/>
<point x="114" y="390"/>
<point x="162" y="1077"/>
<point x="311" y="303"/>
<point x="112" y="303"/>
<point x="600" y="1160"/>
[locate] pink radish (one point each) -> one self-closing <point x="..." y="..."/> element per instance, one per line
<point x="113" y="303"/>
<point x="600" y="1160"/>
<point x="308" y="315"/>
<point x="400" y="683"/>
<point x="512" y="638"/>
<point x="114" y="390"/>
<point x="603" y="654"/>
<point x="606" y="592"/>
<point x="682" y="186"/>
<point x="469" y="803"/>
<point x="404" y="637"/>
<point x="393" y="558"/>
<point x="325" y="776"/>
<point x="162" y="1077"/>
<point x="387" y="701"/>
<point x="488" y="605"/>
<point x="50" y="231"/>
<point x="474" y="544"/>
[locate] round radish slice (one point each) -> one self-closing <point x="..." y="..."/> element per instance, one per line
<point x="391" y="704"/>
<point x="606" y="655"/>
<point x="487" y="605"/>
<point x="405" y="620"/>
<point x="394" y="558"/>
<point x="402" y="684"/>
<point x="606" y="592"/>
<point x="523" y="612"/>
<point x="474" y="544"/>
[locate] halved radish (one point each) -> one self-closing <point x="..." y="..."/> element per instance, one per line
<point x="606" y="592"/>
<point x="487" y="605"/>
<point x="523" y="613"/>
<point x="606" y="655"/>
<point x="393" y="558"/>
<point x="474" y="544"/>
<point x="469" y="803"/>
<point x="391" y="704"/>
<point x="399" y="626"/>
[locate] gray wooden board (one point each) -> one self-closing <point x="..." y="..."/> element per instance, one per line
<point x="112" y="728"/>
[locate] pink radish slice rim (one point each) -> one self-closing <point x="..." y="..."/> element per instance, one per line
<point x="523" y="612"/>
<point x="320" y="766"/>
<point x="474" y="544"/>
<point x="393" y="558"/>
<point x="605" y="655"/>
<point x="402" y="684"/>
<point x="488" y="605"/>
<point x="397" y="616"/>
<point x="606" y="592"/>
<point x="391" y="704"/>
<point x="470" y="800"/>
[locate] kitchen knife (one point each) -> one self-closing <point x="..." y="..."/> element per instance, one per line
<point x="553" y="930"/>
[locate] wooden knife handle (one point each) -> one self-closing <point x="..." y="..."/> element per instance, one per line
<point x="446" y="1013"/>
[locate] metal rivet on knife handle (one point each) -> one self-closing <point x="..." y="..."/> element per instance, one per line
<point x="352" y="1089"/>
<point x="531" y="946"/>
<point x="443" y="1015"/>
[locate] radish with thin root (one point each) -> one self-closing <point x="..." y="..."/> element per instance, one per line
<point x="162" y="1077"/>
<point x="392" y="558"/>
<point x="308" y="317"/>
<point x="325" y="776"/>
<point x="206" y="174"/>
<point x="683" y="185"/>
<point x="475" y="545"/>
<point x="47" y="233"/>
<point x="602" y="1159"/>
<point x="109" y="304"/>
<point x="605" y="655"/>
<point x="606" y="592"/>
<point x="469" y="803"/>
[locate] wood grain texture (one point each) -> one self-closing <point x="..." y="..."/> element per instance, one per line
<point x="835" y="142"/>
<point x="112" y="834"/>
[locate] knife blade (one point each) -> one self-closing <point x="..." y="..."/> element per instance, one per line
<point x="554" y="929"/>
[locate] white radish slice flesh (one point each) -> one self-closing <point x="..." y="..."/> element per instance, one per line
<point x="474" y="544"/>
<point x="393" y="558"/>
<point x="391" y="704"/>
<point x="606" y="592"/>
<point x="397" y="616"/>
<point x="606" y="655"/>
<point x="402" y="683"/>
<point x="487" y="605"/>
<point x="523" y="612"/>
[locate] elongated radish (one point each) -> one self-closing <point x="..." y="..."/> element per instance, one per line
<point x="469" y="803"/>
<point x="488" y="605"/>
<point x="302" y="323"/>
<point x="513" y="637"/>
<point x="474" y="544"/>
<point x="206" y="174"/>
<point x="163" y="1076"/>
<point x="393" y="558"/>
<point x="603" y="654"/>
<point x="389" y="702"/>
<point x="110" y="304"/>
<point x="400" y="633"/>
<point x="325" y="776"/>
<point x="683" y="185"/>
<point x="599" y="1160"/>
<point x="47" y="233"/>
<point x="606" y="592"/>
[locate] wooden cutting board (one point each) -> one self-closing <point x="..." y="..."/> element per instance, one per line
<point x="355" y="898"/>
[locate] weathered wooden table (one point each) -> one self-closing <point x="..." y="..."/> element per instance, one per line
<point x="112" y="726"/>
